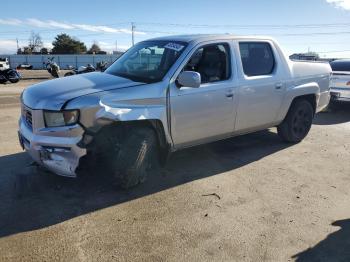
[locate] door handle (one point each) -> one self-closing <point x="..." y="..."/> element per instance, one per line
<point x="278" y="86"/>
<point x="229" y="94"/>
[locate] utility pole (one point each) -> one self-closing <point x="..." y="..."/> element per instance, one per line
<point x="132" y="33"/>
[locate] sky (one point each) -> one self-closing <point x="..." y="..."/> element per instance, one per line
<point x="321" y="26"/>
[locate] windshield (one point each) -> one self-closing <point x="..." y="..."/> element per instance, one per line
<point x="147" y="61"/>
<point x="340" y="65"/>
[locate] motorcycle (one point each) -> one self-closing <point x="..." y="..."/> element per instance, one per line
<point x="9" y="75"/>
<point x="52" y="67"/>
<point x="81" y="70"/>
<point x="101" y="66"/>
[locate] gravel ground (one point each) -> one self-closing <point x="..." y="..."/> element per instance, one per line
<point x="251" y="198"/>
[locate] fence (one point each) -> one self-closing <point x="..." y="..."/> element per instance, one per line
<point x="62" y="60"/>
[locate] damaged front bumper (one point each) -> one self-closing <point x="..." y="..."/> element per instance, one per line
<point x="54" y="148"/>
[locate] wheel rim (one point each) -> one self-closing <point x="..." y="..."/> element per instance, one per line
<point x="301" y="122"/>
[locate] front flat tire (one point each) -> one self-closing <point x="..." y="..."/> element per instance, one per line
<point x="136" y="157"/>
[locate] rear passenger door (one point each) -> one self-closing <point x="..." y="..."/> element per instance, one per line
<point x="261" y="87"/>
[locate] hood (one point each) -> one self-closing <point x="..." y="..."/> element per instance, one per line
<point x="53" y="94"/>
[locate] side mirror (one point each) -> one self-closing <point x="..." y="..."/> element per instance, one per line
<point x="189" y="79"/>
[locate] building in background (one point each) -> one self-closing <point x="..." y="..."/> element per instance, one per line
<point x="302" y="56"/>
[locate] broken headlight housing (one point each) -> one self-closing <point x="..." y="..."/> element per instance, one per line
<point x="61" y="118"/>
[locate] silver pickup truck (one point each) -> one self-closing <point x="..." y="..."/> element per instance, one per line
<point x="167" y="94"/>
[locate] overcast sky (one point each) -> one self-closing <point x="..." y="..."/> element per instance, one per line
<point x="318" y="25"/>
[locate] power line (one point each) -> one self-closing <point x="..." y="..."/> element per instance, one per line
<point x="311" y="34"/>
<point x="236" y="26"/>
<point x="272" y="34"/>
<point x="254" y="26"/>
<point x="206" y="26"/>
<point x="312" y="43"/>
<point x="333" y="51"/>
<point x="58" y="29"/>
<point x="172" y="33"/>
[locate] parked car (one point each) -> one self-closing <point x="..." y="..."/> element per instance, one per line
<point x="4" y="63"/>
<point x="25" y="66"/>
<point x="166" y="94"/>
<point x="340" y="80"/>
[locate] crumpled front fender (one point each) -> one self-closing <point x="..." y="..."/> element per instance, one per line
<point x="120" y="112"/>
<point x="140" y="110"/>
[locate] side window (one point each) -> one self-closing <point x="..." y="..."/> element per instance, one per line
<point x="257" y="58"/>
<point x="212" y="62"/>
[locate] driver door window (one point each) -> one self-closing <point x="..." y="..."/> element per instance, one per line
<point x="212" y="62"/>
<point x="204" y="113"/>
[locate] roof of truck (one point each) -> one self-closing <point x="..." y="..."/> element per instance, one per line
<point x="206" y="37"/>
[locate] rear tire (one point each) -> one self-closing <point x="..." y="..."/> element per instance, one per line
<point x="12" y="76"/>
<point x="13" y="81"/>
<point x="297" y="123"/>
<point x="136" y="157"/>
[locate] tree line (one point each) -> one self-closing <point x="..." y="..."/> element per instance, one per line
<point x="63" y="44"/>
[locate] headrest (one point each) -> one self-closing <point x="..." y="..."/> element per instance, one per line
<point x="258" y="53"/>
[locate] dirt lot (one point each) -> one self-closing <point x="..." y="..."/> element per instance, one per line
<point x="272" y="201"/>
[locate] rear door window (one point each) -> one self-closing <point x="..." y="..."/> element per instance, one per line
<point x="257" y="58"/>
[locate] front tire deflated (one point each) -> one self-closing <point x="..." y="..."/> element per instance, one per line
<point x="136" y="157"/>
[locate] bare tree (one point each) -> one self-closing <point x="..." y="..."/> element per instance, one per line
<point x="35" y="42"/>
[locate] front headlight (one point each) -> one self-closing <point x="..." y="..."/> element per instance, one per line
<point x="61" y="118"/>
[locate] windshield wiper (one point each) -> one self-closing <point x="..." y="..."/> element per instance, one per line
<point x="136" y="78"/>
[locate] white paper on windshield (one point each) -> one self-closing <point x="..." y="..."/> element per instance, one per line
<point x="174" y="46"/>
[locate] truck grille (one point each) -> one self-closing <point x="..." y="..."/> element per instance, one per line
<point x="27" y="116"/>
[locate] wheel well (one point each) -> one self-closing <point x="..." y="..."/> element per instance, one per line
<point x="121" y="129"/>
<point x="311" y="98"/>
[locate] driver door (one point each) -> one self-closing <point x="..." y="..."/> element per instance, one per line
<point x="199" y="115"/>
